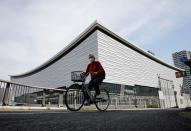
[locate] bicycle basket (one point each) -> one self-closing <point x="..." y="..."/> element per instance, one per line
<point x="77" y="76"/>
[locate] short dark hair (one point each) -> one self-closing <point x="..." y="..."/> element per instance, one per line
<point x="91" y="56"/>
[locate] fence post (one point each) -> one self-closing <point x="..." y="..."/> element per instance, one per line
<point x="44" y="98"/>
<point x="116" y="100"/>
<point x="6" y="95"/>
<point x="61" y="99"/>
<point x="75" y="102"/>
<point x="145" y="102"/>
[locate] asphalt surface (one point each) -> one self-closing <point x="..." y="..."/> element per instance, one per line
<point x="148" y="120"/>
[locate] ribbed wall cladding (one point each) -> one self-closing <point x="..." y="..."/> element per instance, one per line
<point x="59" y="73"/>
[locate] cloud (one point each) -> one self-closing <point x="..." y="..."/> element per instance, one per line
<point x="32" y="31"/>
<point x="163" y="20"/>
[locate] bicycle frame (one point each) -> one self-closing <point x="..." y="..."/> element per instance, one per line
<point x="86" y="90"/>
<point x="80" y="85"/>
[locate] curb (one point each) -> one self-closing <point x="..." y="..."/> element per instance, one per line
<point x="25" y="108"/>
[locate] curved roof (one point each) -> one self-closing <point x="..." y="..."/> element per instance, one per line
<point x="93" y="27"/>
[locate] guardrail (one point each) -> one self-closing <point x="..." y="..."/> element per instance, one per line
<point x="16" y="94"/>
<point x="131" y="101"/>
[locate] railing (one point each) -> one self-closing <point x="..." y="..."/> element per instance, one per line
<point x="15" y="94"/>
<point x="131" y="101"/>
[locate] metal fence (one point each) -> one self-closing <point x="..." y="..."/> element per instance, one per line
<point x="130" y="101"/>
<point x="169" y="96"/>
<point x="15" y="94"/>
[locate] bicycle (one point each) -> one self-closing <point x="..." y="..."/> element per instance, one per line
<point x="75" y="94"/>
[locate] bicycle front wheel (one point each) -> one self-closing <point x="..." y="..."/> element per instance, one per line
<point x="102" y="100"/>
<point x="74" y="97"/>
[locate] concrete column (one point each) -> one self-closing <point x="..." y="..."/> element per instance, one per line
<point x="6" y="95"/>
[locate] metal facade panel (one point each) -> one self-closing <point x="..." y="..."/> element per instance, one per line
<point x="126" y="66"/>
<point x="58" y="74"/>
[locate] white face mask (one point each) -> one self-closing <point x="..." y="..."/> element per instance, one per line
<point x="92" y="60"/>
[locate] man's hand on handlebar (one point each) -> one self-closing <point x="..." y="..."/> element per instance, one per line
<point x="84" y="74"/>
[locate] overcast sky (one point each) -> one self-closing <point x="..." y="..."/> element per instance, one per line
<point x="32" y="31"/>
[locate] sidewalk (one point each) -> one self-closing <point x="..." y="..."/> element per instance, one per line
<point x="27" y="108"/>
<point x="85" y="108"/>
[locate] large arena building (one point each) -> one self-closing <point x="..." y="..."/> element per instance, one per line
<point x="129" y="69"/>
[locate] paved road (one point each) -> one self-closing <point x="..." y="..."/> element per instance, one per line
<point x="148" y="120"/>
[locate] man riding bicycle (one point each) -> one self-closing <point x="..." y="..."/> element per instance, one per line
<point x="97" y="74"/>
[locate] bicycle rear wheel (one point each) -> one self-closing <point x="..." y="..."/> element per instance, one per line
<point x="74" y="97"/>
<point x="102" y="101"/>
